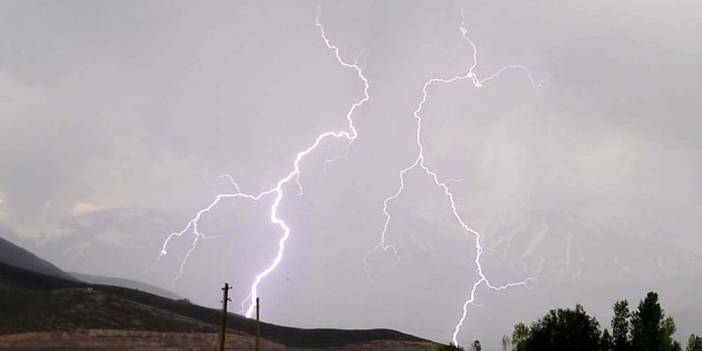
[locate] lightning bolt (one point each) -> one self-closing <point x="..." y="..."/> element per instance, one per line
<point x="349" y="135"/>
<point x="420" y="162"/>
<point x="277" y="191"/>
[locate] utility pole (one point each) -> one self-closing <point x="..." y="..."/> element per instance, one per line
<point x="258" y="324"/>
<point x="225" y="300"/>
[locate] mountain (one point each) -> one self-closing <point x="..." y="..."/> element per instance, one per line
<point x="572" y="258"/>
<point x="561" y="247"/>
<point x="40" y="303"/>
<point x="17" y="256"/>
<point x="118" y="242"/>
<point x="14" y="255"/>
<point x="125" y="283"/>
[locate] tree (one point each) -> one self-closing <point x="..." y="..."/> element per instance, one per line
<point x="476" y="345"/>
<point x="506" y="343"/>
<point x="620" y="326"/>
<point x="519" y="337"/>
<point x="650" y="330"/>
<point x="606" y="343"/>
<point x="667" y="330"/>
<point x="564" y="329"/>
<point x="694" y="343"/>
<point x="450" y="347"/>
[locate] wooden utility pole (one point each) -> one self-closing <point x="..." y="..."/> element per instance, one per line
<point x="258" y="324"/>
<point x="225" y="300"/>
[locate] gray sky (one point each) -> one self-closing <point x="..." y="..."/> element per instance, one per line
<point x="116" y="120"/>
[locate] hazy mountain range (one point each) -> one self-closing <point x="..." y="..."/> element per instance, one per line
<point x="570" y="258"/>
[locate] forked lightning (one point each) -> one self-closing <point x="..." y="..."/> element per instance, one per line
<point x="349" y="135"/>
<point x="277" y="191"/>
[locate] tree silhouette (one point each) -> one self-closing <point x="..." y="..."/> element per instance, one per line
<point x="649" y="330"/>
<point x="646" y="329"/>
<point x="676" y="346"/>
<point x="477" y="346"/>
<point x="450" y="347"/>
<point x="564" y="329"/>
<point x="620" y="326"/>
<point x="694" y="343"/>
<point x="606" y="343"/>
<point x="520" y="335"/>
<point x="668" y="328"/>
<point x="506" y="343"/>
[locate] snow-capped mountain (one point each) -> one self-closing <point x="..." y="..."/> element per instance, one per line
<point x="563" y="247"/>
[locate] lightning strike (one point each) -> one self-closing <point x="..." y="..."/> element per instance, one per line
<point x="419" y="162"/>
<point x="349" y="135"/>
<point x="277" y="191"/>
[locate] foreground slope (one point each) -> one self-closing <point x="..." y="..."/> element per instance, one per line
<point x="39" y="303"/>
<point x="92" y="340"/>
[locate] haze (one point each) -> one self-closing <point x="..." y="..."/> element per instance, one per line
<point x="117" y="119"/>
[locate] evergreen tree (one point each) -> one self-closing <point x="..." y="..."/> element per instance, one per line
<point x="694" y="343"/>
<point x="620" y="326"/>
<point x="450" y="347"/>
<point x="519" y="337"/>
<point x="506" y="343"/>
<point x="650" y="330"/>
<point x="476" y="345"/>
<point x="676" y="346"/>
<point x="668" y="328"/>
<point x="606" y="343"/>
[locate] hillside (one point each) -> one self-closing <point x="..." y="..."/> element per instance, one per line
<point x="17" y="256"/>
<point x="105" y="339"/>
<point x="14" y="255"/>
<point x="566" y="253"/>
<point x="41" y="303"/>
<point x="125" y="283"/>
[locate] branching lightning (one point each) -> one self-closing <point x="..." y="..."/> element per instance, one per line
<point x="420" y="162"/>
<point x="277" y="191"/>
<point x="349" y="135"/>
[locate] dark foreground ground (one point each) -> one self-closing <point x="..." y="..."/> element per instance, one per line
<point x="140" y="340"/>
<point x="44" y="312"/>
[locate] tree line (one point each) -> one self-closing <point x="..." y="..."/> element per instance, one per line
<point x="645" y="329"/>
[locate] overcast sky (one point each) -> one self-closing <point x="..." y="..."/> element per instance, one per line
<point x="122" y="115"/>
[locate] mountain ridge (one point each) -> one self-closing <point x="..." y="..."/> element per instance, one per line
<point x="15" y="255"/>
<point x="33" y="288"/>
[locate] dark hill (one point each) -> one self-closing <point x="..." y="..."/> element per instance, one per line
<point x="14" y="255"/>
<point x="34" y="302"/>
